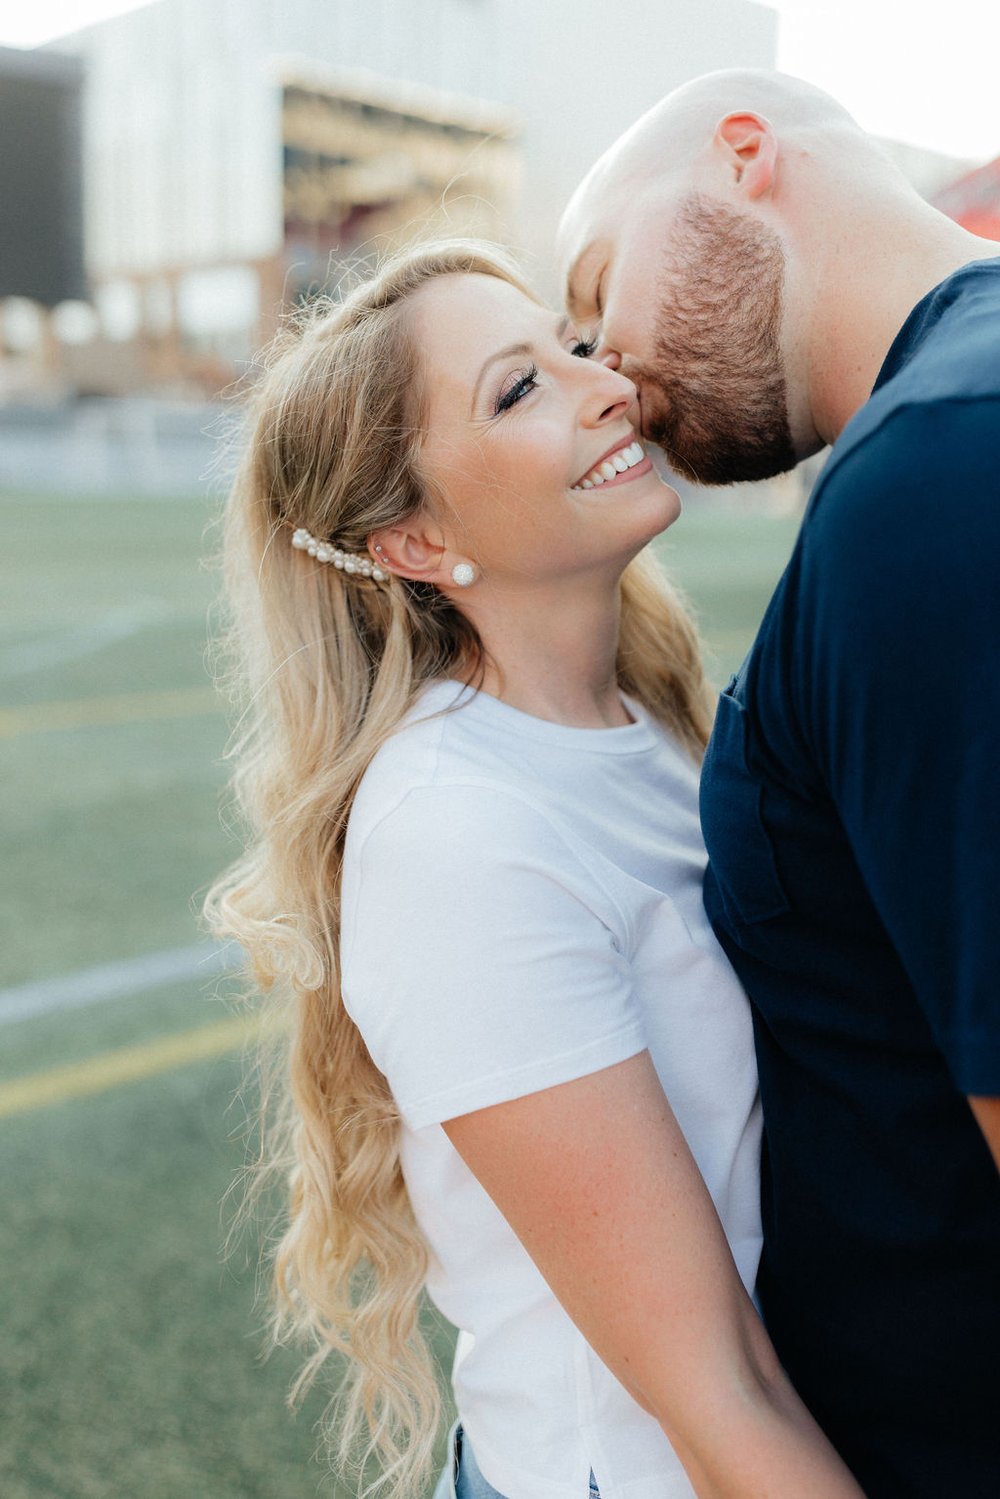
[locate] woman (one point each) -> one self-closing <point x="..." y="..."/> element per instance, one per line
<point x="518" y="1055"/>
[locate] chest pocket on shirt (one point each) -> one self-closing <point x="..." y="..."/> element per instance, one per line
<point x="738" y="842"/>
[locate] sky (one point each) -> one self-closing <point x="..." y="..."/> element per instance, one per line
<point x="905" y="69"/>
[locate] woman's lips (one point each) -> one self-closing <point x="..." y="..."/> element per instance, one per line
<point x="625" y="461"/>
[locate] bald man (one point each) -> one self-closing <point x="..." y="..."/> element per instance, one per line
<point x="772" y="284"/>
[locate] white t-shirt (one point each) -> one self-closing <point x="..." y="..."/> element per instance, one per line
<point x="522" y="907"/>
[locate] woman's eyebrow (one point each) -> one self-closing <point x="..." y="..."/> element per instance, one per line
<point x="511" y="352"/>
<point x="508" y="353"/>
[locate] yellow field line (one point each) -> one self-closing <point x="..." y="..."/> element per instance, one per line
<point x="127" y="1064"/>
<point x="92" y="712"/>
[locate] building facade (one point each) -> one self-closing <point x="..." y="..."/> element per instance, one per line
<point x="241" y="153"/>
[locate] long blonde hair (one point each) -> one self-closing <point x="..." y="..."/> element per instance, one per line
<point x="324" y="666"/>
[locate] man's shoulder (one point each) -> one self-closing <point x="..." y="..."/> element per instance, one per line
<point x="918" y="465"/>
<point x="949" y="347"/>
<point x="915" y="434"/>
<point x="906" y="504"/>
<point x="935" y="408"/>
<point x="909" y="513"/>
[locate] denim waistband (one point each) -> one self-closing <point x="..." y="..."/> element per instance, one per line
<point x="462" y="1479"/>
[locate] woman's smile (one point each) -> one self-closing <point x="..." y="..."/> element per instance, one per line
<point x="626" y="460"/>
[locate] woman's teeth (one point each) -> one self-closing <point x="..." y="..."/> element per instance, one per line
<point x="625" y="458"/>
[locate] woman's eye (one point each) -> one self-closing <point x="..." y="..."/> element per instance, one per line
<point x="584" y="347"/>
<point x="524" y="382"/>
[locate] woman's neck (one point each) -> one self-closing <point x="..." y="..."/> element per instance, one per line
<point x="554" y="658"/>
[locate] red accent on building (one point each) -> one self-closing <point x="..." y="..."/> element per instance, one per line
<point x="974" y="200"/>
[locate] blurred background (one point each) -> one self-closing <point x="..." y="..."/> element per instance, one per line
<point x="174" y="176"/>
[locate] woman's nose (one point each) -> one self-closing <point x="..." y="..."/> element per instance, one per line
<point x="610" y="395"/>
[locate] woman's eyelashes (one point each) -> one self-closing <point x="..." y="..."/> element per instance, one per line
<point x="525" y="380"/>
<point x="509" y="396"/>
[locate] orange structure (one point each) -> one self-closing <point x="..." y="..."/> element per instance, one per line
<point x="974" y="200"/>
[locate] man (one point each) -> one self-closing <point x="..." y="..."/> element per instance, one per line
<point x="771" y="283"/>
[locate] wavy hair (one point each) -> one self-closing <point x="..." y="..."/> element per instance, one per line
<point x="322" y="667"/>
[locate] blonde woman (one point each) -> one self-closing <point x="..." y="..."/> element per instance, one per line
<point x="521" y="1072"/>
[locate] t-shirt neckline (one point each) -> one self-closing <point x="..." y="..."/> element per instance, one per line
<point x="918" y="323"/>
<point x="623" y="739"/>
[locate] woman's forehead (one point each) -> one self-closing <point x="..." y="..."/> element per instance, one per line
<point x="459" y="320"/>
<point x="472" y="300"/>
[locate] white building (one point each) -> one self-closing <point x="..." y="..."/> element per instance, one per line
<point x="237" y="151"/>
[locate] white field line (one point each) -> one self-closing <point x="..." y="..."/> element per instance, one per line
<point x="87" y="986"/>
<point x="84" y="640"/>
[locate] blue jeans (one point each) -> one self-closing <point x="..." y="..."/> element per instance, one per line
<point x="462" y="1479"/>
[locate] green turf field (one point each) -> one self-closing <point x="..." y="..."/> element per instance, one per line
<point x="129" y="1360"/>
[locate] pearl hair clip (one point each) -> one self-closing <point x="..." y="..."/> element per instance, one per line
<point x="356" y="563"/>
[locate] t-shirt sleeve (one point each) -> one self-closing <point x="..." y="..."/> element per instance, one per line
<point x="481" y="959"/>
<point x="901" y="690"/>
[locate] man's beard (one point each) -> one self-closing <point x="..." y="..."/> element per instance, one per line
<point x="714" y="398"/>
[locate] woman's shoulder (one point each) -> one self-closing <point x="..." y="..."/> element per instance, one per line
<point x="432" y="764"/>
<point x="458" y="788"/>
<point x="415" y="744"/>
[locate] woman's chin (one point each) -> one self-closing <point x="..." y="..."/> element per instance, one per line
<point x="666" y="510"/>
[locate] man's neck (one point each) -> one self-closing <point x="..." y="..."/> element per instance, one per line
<point x="868" y="287"/>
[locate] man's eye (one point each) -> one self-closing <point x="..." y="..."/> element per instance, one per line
<point x="525" y="381"/>
<point x="584" y="347"/>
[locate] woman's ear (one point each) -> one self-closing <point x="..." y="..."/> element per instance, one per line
<point x="413" y="549"/>
<point x="417" y="550"/>
<point x="752" y="147"/>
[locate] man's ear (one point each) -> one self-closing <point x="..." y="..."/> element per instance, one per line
<point x="413" y="549"/>
<point x="751" y="145"/>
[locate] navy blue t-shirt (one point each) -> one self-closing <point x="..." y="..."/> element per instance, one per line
<point x="851" y="807"/>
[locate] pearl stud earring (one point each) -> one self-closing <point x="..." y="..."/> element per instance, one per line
<point x="463" y="573"/>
